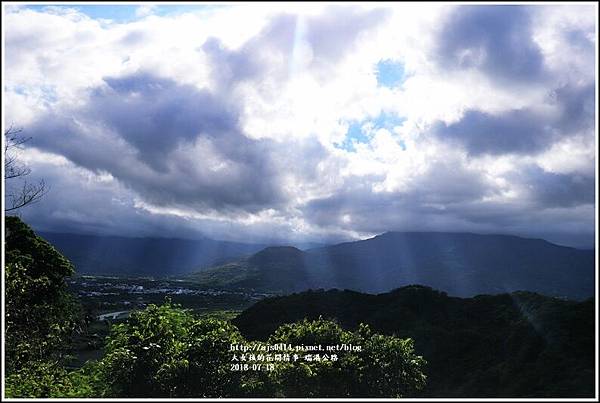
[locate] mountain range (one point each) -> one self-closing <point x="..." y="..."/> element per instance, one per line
<point x="157" y="257"/>
<point x="462" y="264"/>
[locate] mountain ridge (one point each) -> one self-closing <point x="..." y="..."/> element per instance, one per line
<point x="463" y="264"/>
<point x="154" y="256"/>
<point x="518" y="344"/>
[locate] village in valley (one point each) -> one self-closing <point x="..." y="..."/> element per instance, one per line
<point x="113" y="298"/>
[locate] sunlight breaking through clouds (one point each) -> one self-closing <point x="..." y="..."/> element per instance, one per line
<point x="319" y="123"/>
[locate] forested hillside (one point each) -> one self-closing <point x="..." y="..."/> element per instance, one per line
<point x="519" y="344"/>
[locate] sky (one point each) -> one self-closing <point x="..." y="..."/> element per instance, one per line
<point x="306" y="122"/>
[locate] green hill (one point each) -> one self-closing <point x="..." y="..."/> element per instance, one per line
<point x="274" y="269"/>
<point x="520" y="344"/>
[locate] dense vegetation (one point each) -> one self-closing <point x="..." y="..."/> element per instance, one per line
<point x="386" y="366"/>
<point x="165" y="351"/>
<point x="41" y="315"/>
<point x="509" y="345"/>
<point x="461" y="264"/>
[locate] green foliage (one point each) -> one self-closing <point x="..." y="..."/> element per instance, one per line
<point x="509" y="345"/>
<point x="40" y="312"/>
<point x="389" y="367"/>
<point x="45" y="260"/>
<point x="384" y="366"/>
<point x="51" y="379"/>
<point x="164" y="351"/>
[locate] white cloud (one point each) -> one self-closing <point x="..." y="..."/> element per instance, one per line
<point x="294" y="78"/>
<point x="145" y="10"/>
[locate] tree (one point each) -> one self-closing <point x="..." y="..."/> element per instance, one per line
<point x="164" y="351"/>
<point x="40" y="311"/>
<point x="40" y="315"/>
<point x="26" y="193"/>
<point x="382" y="366"/>
<point x="51" y="380"/>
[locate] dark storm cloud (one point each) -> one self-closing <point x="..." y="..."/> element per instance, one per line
<point x="155" y="115"/>
<point x="82" y="203"/>
<point x="420" y="205"/>
<point x="570" y="227"/>
<point x="495" y="39"/>
<point x="523" y="131"/>
<point x="577" y="107"/>
<point x="447" y="182"/>
<point x="549" y="189"/>
<point x="77" y="204"/>
<point x="548" y="211"/>
<point x="516" y="131"/>
<point x="230" y="66"/>
<point x="172" y="143"/>
<point x="62" y="133"/>
<point x="362" y="210"/>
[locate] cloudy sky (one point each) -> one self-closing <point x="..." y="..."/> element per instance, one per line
<point x="306" y="122"/>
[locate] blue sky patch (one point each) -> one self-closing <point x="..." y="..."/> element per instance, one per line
<point x="356" y="134"/>
<point x="123" y="12"/>
<point x="389" y="73"/>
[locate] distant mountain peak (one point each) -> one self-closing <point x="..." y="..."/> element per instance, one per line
<point x="275" y="254"/>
